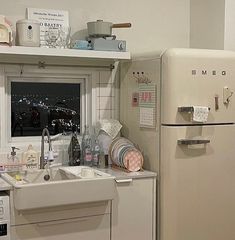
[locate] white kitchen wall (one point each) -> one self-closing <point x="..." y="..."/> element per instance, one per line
<point x="229" y="31"/>
<point x="212" y="24"/>
<point x="156" y="24"/>
<point x="207" y="24"/>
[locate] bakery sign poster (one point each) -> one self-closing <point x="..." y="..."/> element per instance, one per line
<point x="48" y="18"/>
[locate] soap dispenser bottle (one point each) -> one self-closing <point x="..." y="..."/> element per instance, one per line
<point x="13" y="159"/>
<point x="15" y="163"/>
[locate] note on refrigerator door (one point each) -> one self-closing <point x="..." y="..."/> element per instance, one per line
<point x="147" y="104"/>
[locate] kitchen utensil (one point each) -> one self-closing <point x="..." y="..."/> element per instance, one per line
<point x="104" y="29"/>
<point x="28" y="33"/>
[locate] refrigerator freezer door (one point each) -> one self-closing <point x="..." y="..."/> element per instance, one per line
<point x="197" y="183"/>
<point x="192" y="77"/>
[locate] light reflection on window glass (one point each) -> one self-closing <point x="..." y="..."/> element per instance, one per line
<point x="38" y="105"/>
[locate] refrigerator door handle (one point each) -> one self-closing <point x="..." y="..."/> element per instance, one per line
<point x="192" y="141"/>
<point x="187" y="109"/>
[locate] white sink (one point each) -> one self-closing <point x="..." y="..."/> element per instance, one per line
<point x="65" y="185"/>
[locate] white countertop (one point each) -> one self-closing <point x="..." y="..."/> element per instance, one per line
<point x="119" y="174"/>
<point x="4" y="186"/>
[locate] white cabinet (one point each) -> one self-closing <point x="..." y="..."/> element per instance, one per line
<point x="133" y="209"/>
<point x="130" y="216"/>
<point x="70" y="222"/>
<point x="86" y="228"/>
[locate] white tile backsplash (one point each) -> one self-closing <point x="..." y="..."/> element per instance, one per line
<point x="105" y="90"/>
<point x="101" y="114"/>
<point x="105" y="103"/>
<point x="106" y="96"/>
<point x="106" y="77"/>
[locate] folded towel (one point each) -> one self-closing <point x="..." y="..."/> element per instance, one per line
<point x="200" y="114"/>
<point x="110" y="126"/>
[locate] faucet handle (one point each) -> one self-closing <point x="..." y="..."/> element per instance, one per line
<point x="13" y="153"/>
<point x="50" y="157"/>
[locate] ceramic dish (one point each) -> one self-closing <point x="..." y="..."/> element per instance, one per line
<point x="133" y="160"/>
<point x="124" y="154"/>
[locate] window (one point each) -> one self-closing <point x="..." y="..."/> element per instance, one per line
<point x="33" y="98"/>
<point x="35" y="106"/>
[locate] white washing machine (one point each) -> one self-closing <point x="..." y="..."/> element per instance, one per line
<point x="4" y="217"/>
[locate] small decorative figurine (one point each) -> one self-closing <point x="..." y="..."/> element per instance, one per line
<point x="5" y="31"/>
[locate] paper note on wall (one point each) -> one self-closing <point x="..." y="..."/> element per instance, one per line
<point x="147" y="104"/>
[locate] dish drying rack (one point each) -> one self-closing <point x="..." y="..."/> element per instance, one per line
<point x="114" y="166"/>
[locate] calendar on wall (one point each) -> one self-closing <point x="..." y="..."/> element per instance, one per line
<point x="147" y="105"/>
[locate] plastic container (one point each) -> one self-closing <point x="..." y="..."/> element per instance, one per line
<point x="96" y="153"/>
<point x="31" y="158"/>
<point x="14" y="164"/>
<point x="87" y="147"/>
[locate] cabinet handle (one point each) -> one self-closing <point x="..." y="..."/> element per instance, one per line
<point x="128" y="180"/>
<point x="192" y="141"/>
<point x="63" y="221"/>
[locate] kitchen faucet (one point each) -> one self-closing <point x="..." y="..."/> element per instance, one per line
<point x="50" y="153"/>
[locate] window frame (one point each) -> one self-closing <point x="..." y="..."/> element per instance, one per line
<point x="41" y="80"/>
<point x="51" y="74"/>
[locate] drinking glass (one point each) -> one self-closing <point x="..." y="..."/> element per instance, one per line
<point x="51" y="36"/>
<point x="64" y="37"/>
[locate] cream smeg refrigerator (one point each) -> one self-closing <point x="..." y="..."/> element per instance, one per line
<point x="197" y="159"/>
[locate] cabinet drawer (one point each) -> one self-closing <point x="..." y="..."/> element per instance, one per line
<point x="87" y="228"/>
<point x="58" y="213"/>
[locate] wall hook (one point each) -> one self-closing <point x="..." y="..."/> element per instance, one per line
<point x="141" y="77"/>
<point x="21" y="69"/>
<point x="41" y="64"/>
